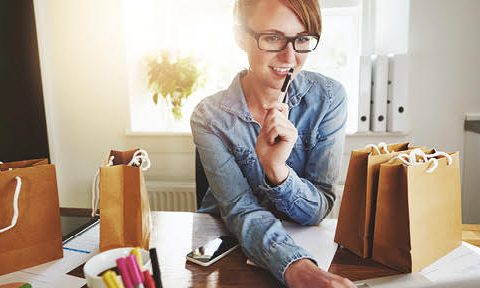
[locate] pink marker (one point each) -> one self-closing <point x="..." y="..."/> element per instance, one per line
<point x="123" y="269"/>
<point x="134" y="270"/>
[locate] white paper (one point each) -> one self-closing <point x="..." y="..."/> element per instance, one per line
<point x="43" y="281"/>
<point x="75" y="252"/>
<point x="462" y="262"/>
<point x="53" y="274"/>
<point x="318" y="240"/>
<point x="459" y="268"/>
<point x="410" y="280"/>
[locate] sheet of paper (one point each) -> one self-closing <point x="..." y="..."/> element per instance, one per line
<point x="53" y="274"/>
<point x="43" y="281"/>
<point x="75" y="253"/>
<point x="459" y="268"/>
<point x="462" y="262"/>
<point x="318" y="240"/>
<point x="410" y="280"/>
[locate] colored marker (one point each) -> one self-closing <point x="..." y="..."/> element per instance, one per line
<point x="138" y="255"/>
<point x="135" y="273"/>
<point x="110" y="279"/>
<point x="157" y="277"/>
<point x="149" y="283"/>
<point x="124" y="273"/>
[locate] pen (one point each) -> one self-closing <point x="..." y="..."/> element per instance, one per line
<point x="283" y="92"/>
<point x="123" y="270"/>
<point x="156" y="268"/>
<point x="135" y="273"/>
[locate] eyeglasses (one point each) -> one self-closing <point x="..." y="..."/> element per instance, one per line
<point x="276" y="42"/>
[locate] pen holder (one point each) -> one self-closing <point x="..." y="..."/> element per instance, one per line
<point x="105" y="261"/>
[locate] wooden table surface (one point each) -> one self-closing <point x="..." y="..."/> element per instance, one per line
<point x="177" y="233"/>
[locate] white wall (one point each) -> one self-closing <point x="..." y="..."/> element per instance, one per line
<point x="84" y="74"/>
<point x="83" y="69"/>
<point x="445" y="79"/>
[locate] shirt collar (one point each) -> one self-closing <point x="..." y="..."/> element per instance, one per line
<point x="234" y="99"/>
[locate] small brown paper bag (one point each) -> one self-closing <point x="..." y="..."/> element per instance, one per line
<point x="30" y="227"/>
<point x="124" y="206"/>
<point x="356" y="216"/>
<point x="418" y="216"/>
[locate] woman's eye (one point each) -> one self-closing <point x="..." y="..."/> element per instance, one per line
<point x="272" y="38"/>
<point x="303" y="39"/>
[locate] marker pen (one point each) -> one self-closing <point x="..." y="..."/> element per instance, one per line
<point x="135" y="273"/>
<point x="124" y="273"/>
<point x="283" y="92"/>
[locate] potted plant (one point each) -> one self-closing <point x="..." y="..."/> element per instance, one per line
<point x="174" y="77"/>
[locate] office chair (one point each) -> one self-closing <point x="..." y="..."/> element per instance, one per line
<point x="201" y="182"/>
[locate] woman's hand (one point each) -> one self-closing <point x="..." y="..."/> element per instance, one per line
<point x="275" y="142"/>
<point x="304" y="273"/>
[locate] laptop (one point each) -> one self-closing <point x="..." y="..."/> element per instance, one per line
<point x="73" y="226"/>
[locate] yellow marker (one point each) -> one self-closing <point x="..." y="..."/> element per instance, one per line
<point x="110" y="279"/>
<point x="117" y="281"/>
<point x="136" y="252"/>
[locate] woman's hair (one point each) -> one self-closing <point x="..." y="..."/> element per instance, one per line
<point x="308" y="11"/>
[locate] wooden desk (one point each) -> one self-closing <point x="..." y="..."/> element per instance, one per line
<point x="176" y="233"/>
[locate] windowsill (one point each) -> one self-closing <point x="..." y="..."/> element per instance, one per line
<point x="378" y="134"/>
<point x="130" y="133"/>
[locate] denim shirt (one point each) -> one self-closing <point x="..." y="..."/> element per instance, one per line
<point x="225" y="134"/>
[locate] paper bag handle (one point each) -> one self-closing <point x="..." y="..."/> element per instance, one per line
<point x="411" y="158"/>
<point x="9" y="169"/>
<point x="140" y="158"/>
<point x="15" y="205"/>
<point x="378" y="148"/>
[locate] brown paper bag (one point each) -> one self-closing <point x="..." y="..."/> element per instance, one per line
<point x="35" y="237"/>
<point x="124" y="206"/>
<point x="356" y="216"/>
<point x="418" y="216"/>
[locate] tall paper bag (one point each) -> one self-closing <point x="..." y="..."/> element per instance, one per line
<point x="418" y="216"/>
<point x="356" y="216"/>
<point x="124" y="206"/>
<point x="35" y="237"/>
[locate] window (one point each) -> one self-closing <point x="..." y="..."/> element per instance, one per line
<point x="203" y="29"/>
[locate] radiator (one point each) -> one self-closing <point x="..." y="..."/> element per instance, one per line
<point x="180" y="196"/>
<point x="172" y="196"/>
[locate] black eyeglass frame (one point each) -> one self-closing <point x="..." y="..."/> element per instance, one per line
<point x="292" y="40"/>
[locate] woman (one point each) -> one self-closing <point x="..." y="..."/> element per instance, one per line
<point x="265" y="160"/>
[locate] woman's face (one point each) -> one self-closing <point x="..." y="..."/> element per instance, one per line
<point x="270" y="68"/>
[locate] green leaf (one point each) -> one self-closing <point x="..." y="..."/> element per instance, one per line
<point x="173" y="81"/>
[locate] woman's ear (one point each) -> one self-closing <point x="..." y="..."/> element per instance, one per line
<point x="240" y="38"/>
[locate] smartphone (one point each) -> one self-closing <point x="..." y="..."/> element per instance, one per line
<point x="213" y="251"/>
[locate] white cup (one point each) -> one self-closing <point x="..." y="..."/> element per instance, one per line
<point x="106" y="260"/>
